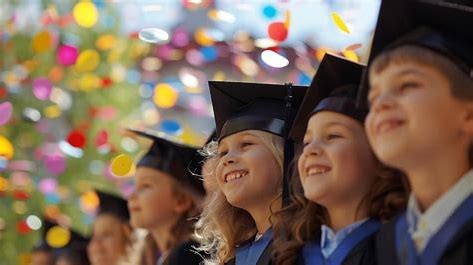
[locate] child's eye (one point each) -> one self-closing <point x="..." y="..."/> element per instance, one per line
<point x="333" y="136"/>
<point x="408" y="85"/>
<point x="246" y="144"/>
<point x="222" y="153"/>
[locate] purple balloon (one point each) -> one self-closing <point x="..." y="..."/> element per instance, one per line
<point x="42" y="88"/>
<point x="6" y="110"/>
<point x="55" y="164"/>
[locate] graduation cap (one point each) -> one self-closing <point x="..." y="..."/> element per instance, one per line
<point x="113" y="205"/>
<point x="172" y="158"/>
<point x="333" y="88"/>
<point x="270" y="108"/>
<point x="242" y="106"/>
<point x="441" y="26"/>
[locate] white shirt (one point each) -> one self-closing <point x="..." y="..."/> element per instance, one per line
<point x="422" y="226"/>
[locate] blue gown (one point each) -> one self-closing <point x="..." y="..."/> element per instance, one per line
<point x="452" y="244"/>
<point x="356" y="248"/>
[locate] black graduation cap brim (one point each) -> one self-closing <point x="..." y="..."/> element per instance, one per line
<point x="442" y="26"/>
<point x="170" y="157"/>
<point x="113" y="205"/>
<point x="334" y="72"/>
<point x="240" y="106"/>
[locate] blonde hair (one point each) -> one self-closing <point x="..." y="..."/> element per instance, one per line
<point x="222" y="226"/>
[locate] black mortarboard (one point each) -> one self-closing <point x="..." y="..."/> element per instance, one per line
<point x="250" y="106"/>
<point x="113" y="205"/>
<point x="172" y="158"/>
<point x="442" y="26"/>
<point x="333" y="88"/>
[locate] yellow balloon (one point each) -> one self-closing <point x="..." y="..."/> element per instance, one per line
<point x="6" y="148"/>
<point x="42" y="41"/>
<point x="89" y="200"/>
<point x="122" y="165"/>
<point x="88" y="61"/>
<point x="106" y="42"/>
<point x="52" y="111"/>
<point x="202" y="38"/>
<point x="58" y="237"/>
<point x="4" y="184"/>
<point x="89" y="82"/>
<point x="85" y="14"/>
<point x="165" y="96"/>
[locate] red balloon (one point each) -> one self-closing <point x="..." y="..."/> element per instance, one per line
<point x="22" y="227"/>
<point x="277" y="31"/>
<point x="21" y="195"/>
<point x="76" y="139"/>
<point x="101" y="138"/>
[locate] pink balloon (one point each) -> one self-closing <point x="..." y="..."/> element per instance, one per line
<point x="48" y="185"/>
<point x="42" y="88"/>
<point x="55" y="164"/>
<point x="6" y="110"/>
<point x="67" y="55"/>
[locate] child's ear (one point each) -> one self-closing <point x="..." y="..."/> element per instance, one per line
<point x="469" y="118"/>
<point x="183" y="203"/>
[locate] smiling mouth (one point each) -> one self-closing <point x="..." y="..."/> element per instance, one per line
<point x="234" y="175"/>
<point x="388" y="125"/>
<point x="317" y="170"/>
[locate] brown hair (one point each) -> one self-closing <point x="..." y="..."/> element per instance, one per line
<point x="461" y="85"/>
<point x="223" y="226"/>
<point x="300" y="221"/>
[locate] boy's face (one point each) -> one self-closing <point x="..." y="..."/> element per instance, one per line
<point x="413" y="115"/>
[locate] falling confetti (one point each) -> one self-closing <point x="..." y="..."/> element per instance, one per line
<point x="340" y="23"/>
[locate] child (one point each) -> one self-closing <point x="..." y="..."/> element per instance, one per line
<point x="252" y="122"/>
<point x="421" y="122"/>
<point x="111" y="231"/>
<point x="166" y="200"/>
<point x="347" y="191"/>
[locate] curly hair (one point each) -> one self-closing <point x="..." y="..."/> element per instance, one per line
<point x="300" y="221"/>
<point x="222" y="226"/>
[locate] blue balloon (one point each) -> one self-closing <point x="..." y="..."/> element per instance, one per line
<point x="53" y="198"/>
<point x="303" y="79"/>
<point x="270" y="11"/>
<point x="170" y="127"/>
<point x="209" y="53"/>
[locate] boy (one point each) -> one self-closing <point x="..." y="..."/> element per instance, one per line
<point x="421" y="122"/>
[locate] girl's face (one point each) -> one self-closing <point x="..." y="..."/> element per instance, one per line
<point x="153" y="202"/>
<point x="336" y="166"/>
<point x="413" y="115"/>
<point x="109" y="240"/>
<point x="247" y="171"/>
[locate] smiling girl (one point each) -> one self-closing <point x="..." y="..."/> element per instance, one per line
<point x="346" y="192"/>
<point x="251" y="121"/>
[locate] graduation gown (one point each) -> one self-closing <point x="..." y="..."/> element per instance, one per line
<point x="452" y="244"/>
<point x="357" y="248"/>
<point x="254" y="253"/>
<point x="185" y="254"/>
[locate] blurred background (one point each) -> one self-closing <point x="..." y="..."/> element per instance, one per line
<point x="75" y="74"/>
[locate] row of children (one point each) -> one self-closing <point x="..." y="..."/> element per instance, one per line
<point x="368" y="165"/>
